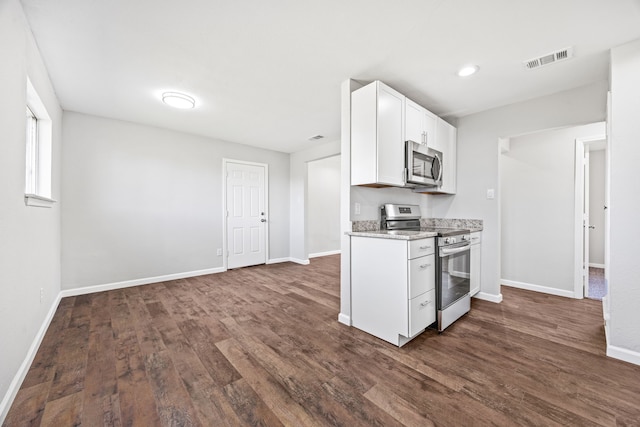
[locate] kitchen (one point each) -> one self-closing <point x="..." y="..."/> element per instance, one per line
<point x="477" y="154"/>
<point x="478" y="169"/>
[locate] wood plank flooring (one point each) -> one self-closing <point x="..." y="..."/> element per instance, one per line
<point x="262" y="346"/>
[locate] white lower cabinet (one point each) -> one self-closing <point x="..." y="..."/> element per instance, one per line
<point x="392" y="287"/>
<point x="422" y="312"/>
<point x="476" y="241"/>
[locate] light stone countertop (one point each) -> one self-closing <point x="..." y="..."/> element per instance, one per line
<point x="393" y="234"/>
<point x="371" y="228"/>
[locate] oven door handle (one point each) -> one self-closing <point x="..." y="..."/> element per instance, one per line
<point x="446" y="251"/>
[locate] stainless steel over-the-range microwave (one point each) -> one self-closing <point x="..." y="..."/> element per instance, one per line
<point x="424" y="165"/>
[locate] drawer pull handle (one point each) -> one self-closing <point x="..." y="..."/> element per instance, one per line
<point x="424" y="304"/>
<point x="425" y="247"/>
<point x="425" y="265"/>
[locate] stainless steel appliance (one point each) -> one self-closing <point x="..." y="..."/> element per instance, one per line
<point x="400" y="217"/>
<point x="453" y="281"/>
<point x="423" y="165"/>
<point x="453" y="263"/>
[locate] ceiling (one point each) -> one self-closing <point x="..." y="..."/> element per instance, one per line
<point x="268" y="73"/>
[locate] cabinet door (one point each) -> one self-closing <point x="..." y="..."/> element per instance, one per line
<point x="419" y="123"/>
<point x="422" y="275"/>
<point x="413" y="122"/>
<point x="422" y="312"/>
<point x="445" y="142"/>
<point x="390" y="147"/>
<point x="475" y="263"/>
<point x="430" y="132"/>
<point x="421" y="247"/>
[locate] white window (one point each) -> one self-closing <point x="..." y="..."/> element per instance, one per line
<point x="38" y="151"/>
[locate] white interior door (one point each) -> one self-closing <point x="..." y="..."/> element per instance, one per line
<point x="246" y="214"/>
<point x="585" y="226"/>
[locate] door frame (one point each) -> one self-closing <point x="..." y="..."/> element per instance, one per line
<point x="225" y="248"/>
<point x="579" y="199"/>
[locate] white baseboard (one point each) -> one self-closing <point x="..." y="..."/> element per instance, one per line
<point x="594" y="265"/>
<point x="277" y="260"/>
<point x="623" y="354"/>
<point x="319" y="254"/>
<point x="137" y="282"/>
<point x="344" y="319"/>
<point x="489" y="297"/>
<point x="288" y="259"/>
<point x="12" y="391"/>
<point x="538" y="288"/>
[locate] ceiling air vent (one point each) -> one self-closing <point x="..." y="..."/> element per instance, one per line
<point x="549" y="58"/>
<point x="315" y="137"/>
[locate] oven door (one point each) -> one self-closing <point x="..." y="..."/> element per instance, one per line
<point x="454" y="268"/>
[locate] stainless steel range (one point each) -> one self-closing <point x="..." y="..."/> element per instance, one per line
<point x="453" y="263"/>
<point x="453" y="270"/>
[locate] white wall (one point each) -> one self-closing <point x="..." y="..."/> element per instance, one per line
<point x="29" y="236"/>
<point x="298" y="189"/>
<point x="538" y="211"/>
<point x="478" y="168"/>
<point x="624" y="291"/>
<point x="370" y="200"/>
<point x="143" y="202"/>
<point x="596" y="205"/>
<point x="323" y="205"/>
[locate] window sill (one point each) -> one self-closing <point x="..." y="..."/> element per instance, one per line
<point x="38" y="201"/>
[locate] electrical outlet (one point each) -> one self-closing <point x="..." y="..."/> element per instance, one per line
<point x="219" y="252"/>
<point x="357" y="208"/>
<point x="41" y="295"/>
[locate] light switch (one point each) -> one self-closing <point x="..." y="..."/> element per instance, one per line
<point x="491" y="194"/>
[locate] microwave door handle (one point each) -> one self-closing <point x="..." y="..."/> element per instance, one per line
<point x="439" y="168"/>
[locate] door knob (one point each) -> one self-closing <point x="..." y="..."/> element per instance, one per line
<point x="263" y="220"/>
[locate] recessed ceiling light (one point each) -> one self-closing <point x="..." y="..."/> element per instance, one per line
<point x="468" y="70"/>
<point x="178" y="100"/>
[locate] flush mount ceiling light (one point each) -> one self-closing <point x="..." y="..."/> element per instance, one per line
<point x="178" y="100"/>
<point x="468" y="70"/>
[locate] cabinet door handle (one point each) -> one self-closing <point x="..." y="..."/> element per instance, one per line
<point x="424" y="304"/>
<point x="425" y="247"/>
<point x="425" y="265"/>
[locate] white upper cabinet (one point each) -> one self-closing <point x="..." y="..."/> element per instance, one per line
<point x="446" y="142"/>
<point x="377" y="136"/>
<point x="419" y="124"/>
<point x="382" y="119"/>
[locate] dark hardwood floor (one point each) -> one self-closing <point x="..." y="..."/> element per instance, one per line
<point x="262" y="346"/>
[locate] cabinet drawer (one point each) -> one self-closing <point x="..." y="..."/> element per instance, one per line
<point x="422" y="247"/>
<point x="422" y="275"/>
<point x="422" y="312"/>
<point x="476" y="237"/>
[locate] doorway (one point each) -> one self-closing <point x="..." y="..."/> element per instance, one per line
<point x="245" y="213"/>
<point x="323" y="206"/>
<point x="541" y="244"/>
<point x="593" y="223"/>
